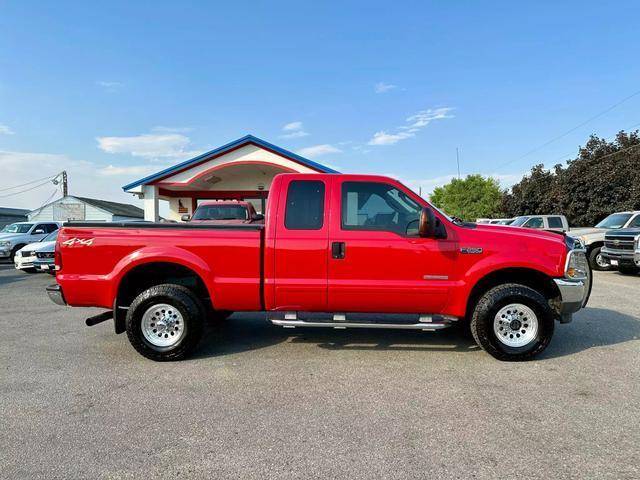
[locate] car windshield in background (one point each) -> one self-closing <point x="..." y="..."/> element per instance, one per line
<point x="51" y="237"/>
<point x="617" y="220"/>
<point x="16" y="228"/>
<point x="518" y="222"/>
<point x="221" y="212"/>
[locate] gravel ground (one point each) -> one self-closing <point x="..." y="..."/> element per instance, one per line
<point x="261" y="402"/>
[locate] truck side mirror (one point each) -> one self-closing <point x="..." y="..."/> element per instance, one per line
<point x="257" y="217"/>
<point x="185" y="218"/>
<point x="427" y="224"/>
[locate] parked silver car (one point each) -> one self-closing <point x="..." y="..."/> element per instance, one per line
<point x="16" y="235"/>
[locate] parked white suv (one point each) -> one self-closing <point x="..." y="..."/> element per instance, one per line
<point x="593" y="238"/>
<point x="16" y="235"/>
<point x="557" y="223"/>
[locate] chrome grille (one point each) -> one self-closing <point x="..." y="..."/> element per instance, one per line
<point x="45" y="254"/>
<point x="618" y="243"/>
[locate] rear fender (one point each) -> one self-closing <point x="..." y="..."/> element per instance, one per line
<point x="163" y="254"/>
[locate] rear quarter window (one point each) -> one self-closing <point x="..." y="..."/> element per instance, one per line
<point x="305" y="205"/>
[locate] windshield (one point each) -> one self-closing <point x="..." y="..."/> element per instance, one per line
<point x="51" y="237"/>
<point x="617" y="220"/>
<point x="17" y="228"/>
<point x="519" y="221"/>
<point x="221" y="212"/>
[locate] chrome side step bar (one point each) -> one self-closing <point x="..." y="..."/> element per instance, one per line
<point x="424" y="326"/>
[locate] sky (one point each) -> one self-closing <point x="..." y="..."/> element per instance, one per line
<point x="112" y="91"/>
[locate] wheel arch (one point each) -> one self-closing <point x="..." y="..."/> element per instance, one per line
<point x="529" y="277"/>
<point x="144" y="275"/>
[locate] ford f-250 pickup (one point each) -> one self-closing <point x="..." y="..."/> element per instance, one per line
<point x="336" y="251"/>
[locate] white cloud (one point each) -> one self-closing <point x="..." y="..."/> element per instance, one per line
<point x="20" y="167"/>
<point x="384" y="138"/>
<point x="424" y="117"/>
<point x="293" y="130"/>
<point x="150" y="145"/>
<point x="414" y="124"/>
<point x="318" y="150"/>
<point x="5" y="130"/>
<point x="382" y="87"/>
<point x="110" y="86"/>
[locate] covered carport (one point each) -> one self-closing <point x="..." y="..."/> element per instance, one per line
<point x="240" y="170"/>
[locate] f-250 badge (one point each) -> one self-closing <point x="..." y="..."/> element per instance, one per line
<point x="471" y="250"/>
<point x="79" y="241"/>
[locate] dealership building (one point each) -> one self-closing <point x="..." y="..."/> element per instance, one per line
<point x="240" y="170"/>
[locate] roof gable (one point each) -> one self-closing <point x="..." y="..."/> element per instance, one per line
<point x="115" y="208"/>
<point x="248" y="139"/>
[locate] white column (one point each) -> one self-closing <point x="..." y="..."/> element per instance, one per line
<point x="150" y="196"/>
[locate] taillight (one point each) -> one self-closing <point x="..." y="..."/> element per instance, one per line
<point x="57" y="257"/>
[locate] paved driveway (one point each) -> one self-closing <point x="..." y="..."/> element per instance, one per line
<point x="261" y="402"/>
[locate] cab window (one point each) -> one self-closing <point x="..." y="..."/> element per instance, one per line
<point x="555" y="222"/>
<point x="535" y="222"/>
<point x="305" y="205"/>
<point x="378" y="206"/>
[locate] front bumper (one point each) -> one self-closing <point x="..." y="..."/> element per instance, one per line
<point x="574" y="295"/>
<point x="55" y="294"/>
<point x="624" y="257"/>
<point x="44" y="264"/>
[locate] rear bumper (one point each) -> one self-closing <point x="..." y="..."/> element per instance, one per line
<point x="574" y="295"/>
<point x="55" y="294"/>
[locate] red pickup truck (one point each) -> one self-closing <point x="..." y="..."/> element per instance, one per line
<point x="336" y="251"/>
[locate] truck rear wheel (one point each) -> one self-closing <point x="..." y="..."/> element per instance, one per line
<point x="165" y="322"/>
<point x="512" y="322"/>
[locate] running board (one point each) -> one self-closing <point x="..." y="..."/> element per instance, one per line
<point x="424" y="326"/>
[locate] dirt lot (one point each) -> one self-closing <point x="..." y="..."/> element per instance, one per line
<point x="261" y="402"/>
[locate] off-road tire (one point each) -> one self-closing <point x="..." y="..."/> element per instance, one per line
<point x="489" y="305"/>
<point x="593" y="255"/>
<point x="189" y="306"/>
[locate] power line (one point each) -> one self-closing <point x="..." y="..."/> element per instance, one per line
<point x="23" y="191"/>
<point x="51" y="177"/>
<point x="540" y="147"/>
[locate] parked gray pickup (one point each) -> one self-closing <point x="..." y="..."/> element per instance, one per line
<point x="622" y="249"/>
<point x="593" y="238"/>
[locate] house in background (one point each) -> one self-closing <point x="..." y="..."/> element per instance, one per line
<point x="84" y="209"/>
<point x="240" y="170"/>
<point x="12" y="215"/>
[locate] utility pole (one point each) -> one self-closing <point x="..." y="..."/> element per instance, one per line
<point x="65" y="186"/>
<point x="458" y="161"/>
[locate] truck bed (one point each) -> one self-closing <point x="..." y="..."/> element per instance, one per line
<point x="96" y="256"/>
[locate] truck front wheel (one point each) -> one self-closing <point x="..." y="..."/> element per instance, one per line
<point x="597" y="261"/>
<point x="512" y="322"/>
<point x="165" y="322"/>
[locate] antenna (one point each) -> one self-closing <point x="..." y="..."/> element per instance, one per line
<point x="458" y="161"/>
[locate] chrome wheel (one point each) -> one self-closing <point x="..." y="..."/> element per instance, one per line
<point x="602" y="262"/>
<point x="515" y="325"/>
<point x="162" y="325"/>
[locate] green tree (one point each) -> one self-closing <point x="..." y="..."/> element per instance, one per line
<point x="604" y="178"/>
<point x="472" y="197"/>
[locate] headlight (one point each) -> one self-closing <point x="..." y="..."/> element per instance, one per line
<point x="5" y="244"/>
<point x="577" y="265"/>
<point x="636" y="244"/>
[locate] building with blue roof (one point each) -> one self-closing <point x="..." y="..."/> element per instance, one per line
<point x="240" y="170"/>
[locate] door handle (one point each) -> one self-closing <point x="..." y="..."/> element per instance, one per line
<point x="337" y="250"/>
